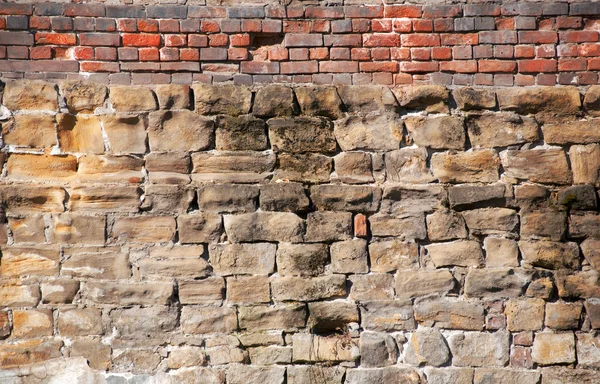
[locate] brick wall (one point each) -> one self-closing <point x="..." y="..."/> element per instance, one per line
<point x="502" y="44"/>
<point x="355" y="235"/>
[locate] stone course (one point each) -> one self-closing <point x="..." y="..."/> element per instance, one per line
<point x="352" y="234"/>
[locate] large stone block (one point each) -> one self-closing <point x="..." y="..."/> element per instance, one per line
<point x="41" y="167"/>
<point x="480" y="166"/>
<point x="572" y="132"/>
<point x="367" y="99"/>
<point x="146" y="321"/>
<point x="83" y="97"/>
<point x="546" y="103"/>
<point x="382" y="375"/>
<point x="30" y="95"/>
<point x="553" y="348"/>
<point x="450" y="313"/>
<point x="496" y="283"/>
<point x="30" y="130"/>
<point x="301" y="134"/>
<point x="328" y="226"/>
<point x="289" y="316"/>
<point x="98" y="198"/>
<point x="301" y="259"/>
<point x="240" y="374"/>
<point x="311" y="348"/>
<point x="80" y="134"/>
<point x="239" y="259"/>
<point x="168" y="199"/>
<point x="172" y="131"/>
<point x="546" y="166"/>
<point x="125" y="133"/>
<point x="274" y="100"/>
<point x="491" y="221"/>
<point x="144" y="229"/>
<point x="469" y="99"/>
<point x="387" y="315"/>
<point x="224" y="99"/>
<point x="405" y="226"/>
<point x="199" y="228"/>
<point x="227" y="198"/>
<point x="264" y="226"/>
<point x="126" y="294"/>
<point x="412" y="284"/>
<point x="463" y="253"/>
<point x="110" y="169"/>
<point x="96" y="262"/>
<point x="132" y="99"/>
<point x="311" y="168"/>
<point x="240" y="133"/>
<point x="585" y="163"/>
<point x="292" y="288"/>
<point x="349" y="256"/>
<point x="20" y="295"/>
<point x="205" y="291"/>
<point x="232" y="167"/>
<point x="492" y="130"/>
<point x="408" y="165"/>
<point x="475" y="349"/>
<point x="319" y="101"/>
<point x="550" y="254"/>
<point x="378" y="132"/>
<point x="388" y="256"/>
<point x="427" y="347"/>
<point x="42" y="260"/>
<point x="173" y="96"/>
<point x="346" y="198"/>
<point x="201" y="320"/>
<point x="443" y="132"/>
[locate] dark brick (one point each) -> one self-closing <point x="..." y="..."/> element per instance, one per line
<point x="16" y="38"/>
<point x="84" y="24"/>
<point x="125" y="11"/>
<point x="106" y="25"/>
<point x="54" y="66"/>
<point x="49" y="9"/>
<point x="213" y="54"/>
<point x="18" y="52"/>
<point x="438" y="11"/>
<point x="189" y="25"/>
<point x="522" y="9"/>
<point x="14" y="65"/>
<point x="231" y="26"/>
<point x="86" y="10"/>
<point x="481" y="10"/>
<point x="585" y="9"/>
<point x="246" y="12"/>
<point x="16" y="9"/>
<point x="17" y="22"/>
<point x="555" y="9"/>
<point x="485" y="23"/>
<point x="206" y="12"/>
<point x="180" y="66"/>
<point x="167" y="11"/>
<point x="128" y="54"/>
<point x="464" y="24"/>
<point x="368" y="12"/>
<point x="99" y="39"/>
<point x="62" y="23"/>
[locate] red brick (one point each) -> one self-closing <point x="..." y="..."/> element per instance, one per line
<point x="147" y="25"/>
<point x="524" y="80"/>
<point x="320" y="53"/>
<point x="360" y="54"/>
<point x="169" y="54"/>
<point x="296" y="27"/>
<point x="59" y="53"/>
<point x="443" y="25"/>
<point x="38" y="53"/>
<point x="418" y="66"/>
<point x="403" y="25"/>
<point x="106" y="53"/>
<point x="98" y="66"/>
<point x="347" y="40"/>
<point x="537" y="37"/>
<point x="441" y="53"/>
<point x="237" y="54"/>
<point x="141" y="40"/>
<point x="198" y="40"/>
<point x="148" y="54"/>
<point x="534" y="66"/>
<point x="127" y="25"/>
<point x="210" y="26"/>
<point x="298" y="54"/>
<point x="16" y="9"/>
<point x="366" y="12"/>
<point x="381" y="40"/>
<point x="83" y="53"/>
<point x="380" y="54"/>
<point x="578" y="36"/>
<point x="299" y="67"/>
<point x="422" y="54"/>
<point x="303" y="40"/>
<point x="169" y="26"/>
<point x="381" y="25"/>
<point x="251" y="25"/>
<point x="546" y="25"/>
<point x="360" y="225"/>
<point x="422" y="25"/>
<point x="338" y="66"/>
<point x="545" y="79"/>
<point x="271" y="26"/>
<point x="566" y="22"/>
<point x="593" y="64"/>
<point x="497" y="66"/>
<point x="421" y="40"/>
<point x="587" y="78"/>
<point x="459" y="39"/>
<point x="396" y="11"/>
<point x="213" y="54"/>
<point x="524" y="51"/>
<point x="189" y="54"/>
<point x="589" y="50"/>
<point x="35" y="22"/>
<point x="459" y="66"/>
<point x="400" y="78"/>
<point x="175" y="40"/>
<point x="382" y="66"/>
<point x="566" y="50"/>
<point x="545" y="51"/>
<point x="324" y="12"/>
<point x="334" y="54"/>
<point x="55" y="38"/>
<point x="361" y="25"/>
<point x="574" y="64"/>
<point x="218" y="40"/>
<point x="400" y="53"/>
<point x="100" y="39"/>
<point x="320" y="26"/>
<point x="277" y="54"/>
<point x="240" y="40"/>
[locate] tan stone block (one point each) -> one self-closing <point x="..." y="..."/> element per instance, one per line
<point x="496" y="283"/>
<point x="240" y="259"/>
<point x="349" y="256"/>
<point x="445" y="225"/>
<point x="546" y="166"/>
<point x="449" y="375"/>
<point x="223" y="99"/>
<point x="491" y="221"/>
<point x="367" y="98"/>
<point x="96" y="262"/>
<point x="98" y="198"/>
<point x="83" y="97"/>
<point x="301" y="259"/>
<point x="248" y="290"/>
<point x="588" y="355"/>
<point x="468" y="98"/>
<point x="135" y="360"/>
<point x="501" y="252"/>
<point x="329" y="316"/>
<point x="302" y="134"/>
<point x="173" y="96"/>
<point x="387" y="315"/>
<point x="408" y="165"/>
<point x="406" y="226"/>
<point x="412" y="284"/>
<point x="226" y="355"/>
<point x="354" y="167"/>
<point x="80" y="133"/>
<point x="232" y="167"/>
<point x="550" y="254"/>
<point x="41" y="167"/>
<point x="270" y="355"/>
<point x="60" y="291"/>
<point x="126" y="133"/>
<point x="127" y="294"/>
<point x="274" y="100"/>
<point x="243" y="133"/>
<point x="173" y="131"/>
<point x="313" y="348"/>
<point x="525" y="314"/>
<point x="30" y="323"/>
<point x="35" y="261"/>
<point x="74" y="228"/>
<point x="168" y="199"/>
<point x="174" y="268"/>
<point x="144" y="322"/>
<point x="144" y="229"/>
<point x="311" y="167"/>
<point x="441" y="132"/>
<point x="110" y="169"/>
<point x="287" y="197"/>
<point x="199" y="228"/>
<point x="319" y="101"/>
<point x="492" y="130"/>
<point x="206" y="291"/>
<point x="548" y="224"/>
<point x="308" y="289"/>
<point x="388" y="256"/>
<point x="288" y="317"/>
<point x="427" y="347"/>
<point x="563" y="315"/>
<point x="228" y="198"/>
<point x="132" y="99"/>
<point x="478" y="349"/>
<point x="30" y="95"/>
<point x="377" y="286"/>
<point x="431" y="98"/>
<point x="572" y="132"/>
<point x="264" y="226"/>
<point x="186" y="357"/>
<point x="94" y="351"/>
<point x="450" y="313"/>
<point x="378" y="132"/>
<point x="5" y="326"/>
<point x="328" y="226"/>
<point x="585" y="163"/>
<point x="553" y="348"/>
<point x="464" y="253"/>
<point x="479" y="166"/>
<point x="80" y="322"/>
<point x="19" y="295"/>
<point x="28" y="229"/>
<point x="26" y="352"/>
<point x="33" y="131"/>
<point x="546" y="103"/>
<point x="200" y="320"/>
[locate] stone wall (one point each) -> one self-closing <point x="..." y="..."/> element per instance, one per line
<point x="261" y="41"/>
<point x="221" y="234"/>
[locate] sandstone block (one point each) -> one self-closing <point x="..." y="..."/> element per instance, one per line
<point x="79" y="133"/>
<point x="588" y="355"/>
<point x="539" y="166"/>
<point x="41" y="167"/>
<point x="98" y="198"/>
<point x="372" y="132"/>
<point x="377" y="350"/>
<point x="553" y="348"/>
<point x="144" y="321"/>
<point x="545" y="102"/>
<point x="585" y="163"/>
<point x="308" y="289"/>
<point x="19" y="295"/>
<point x="310" y="168"/>
<point x="354" y="167"/>
<point x="377" y="286"/>
<point x="271" y="355"/>
<point x="75" y="228"/>
<point x="382" y="375"/>
<point x="591" y="101"/>
<point x="40" y="260"/>
<point x="492" y="130"/>
<point x="368" y="98"/>
<point x="427" y="347"/>
<point x="168" y="199"/>
<point x="172" y="131"/>
<point x="248" y="290"/>
<point x="445" y="225"/>
<point x="199" y="228"/>
<point x="388" y="256"/>
<point x="206" y="291"/>
<point x="591" y="252"/>
<point x="543" y="224"/>
<point x="224" y="99"/>
<point x="412" y="284"/>
<point x="30" y="95"/>
<point x="26" y="352"/>
<point x="463" y="253"/>
<point x="227" y="198"/>
<point x="319" y="101"/>
<point x="232" y="167"/>
<point x="83" y="97"/>
<point x="405" y="226"/>
<point x="328" y="316"/>
<point x="126" y="133"/>
<point x="301" y="134"/>
<point x="174" y="268"/>
<point x="387" y="316"/>
<point x="476" y="349"/>
<point x="200" y="320"/>
<point x="241" y="133"/>
<point x="500" y="252"/>
<point x="469" y="99"/>
<point x="238" y="259"/>
<point x="444" y="132"/>
<point x="186" y="357"/>
<point x="571" y="132"/>
<point x="304" y="374"/>
<point x="408" y="165"/>
<point x="450" y="314"/>
<point x="281" y="316"/>
<point x="499" y="375"/>
<point x="31" y="130"/>
<point x="490" y="221"/>
<point x="284" y="197"/>
<point x="463" y="196"/>
<point x="578" y="197"/>
<point x="96" y="353"/>
<point x="173" y="96"/>
<point x="28" y="229"/>
<point x="96" y="262"/>
<point x="125" y="294"/>
<point x="301" y="259"/>
<point x="525" y="314"/>
<point x="562" y="315"/>
<point x="449" y="375"/>
<point x="349" y="256"/>
<point x="579" y="285"/>
<point x="274" y="100"/>
<point x="496" y="283"/>
<point x="144" y="229"/>
<point x="328" y="226"/>
<point x="264" y="226"/>
<point x="584" y="225"/>
<point x="60" y="291"/>
<point x="132" y="99"/>
<point x="31" y="323"/>
<point x="312" y="348"/>
<point x="479" y="166"/>
<point x="549" y="254"/>
<point x="135" y="360"/>
<point x="240" y="374"/>
<point x="80" y="322"/>
<point x="431" y="98"/>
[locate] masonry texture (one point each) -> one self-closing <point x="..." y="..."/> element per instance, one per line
<point x="358" y="234"/>
<point x="348" y="42"/>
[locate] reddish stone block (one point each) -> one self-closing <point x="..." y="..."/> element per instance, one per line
<point x="324" y="12"/>
<point x="213" y="54"/>
<point x="348" y="40"/>
<point x="567" y="22"/>
<point x="141" y="40"/>
<point x="534" y="66"/>
<point x="443" y="25"/>
<point x="168" y="26"/>
<point x="298" y="54"/>
<point x="381" y="40"/>
<point x="593" y="64"/>
<point x="421" y="40"/>
<point x="35" y="22"/>
<point x="106" y="53"/>
<point x="524" y="51"/>
<point x="361" y="25"/>
<point x="380" y="53"/>
<point x="396" y="11"/>
<point x="563" y="50"/>
<point x="271" y="26"/>
<point x="497" y="66"/>
<point x="505" y="24"/>
<point x="545" y="51"/>
<point x="169" y="54"/>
